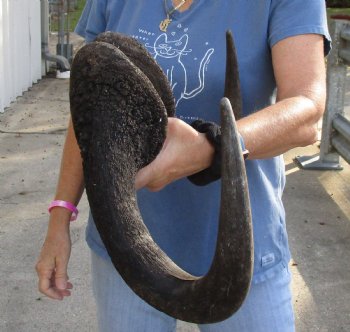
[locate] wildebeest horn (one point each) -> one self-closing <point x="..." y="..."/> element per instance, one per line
<point x="120" y="124"/>
<point x="232" y="86"/>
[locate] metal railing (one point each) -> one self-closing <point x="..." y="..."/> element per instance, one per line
<point x="59" y="14"/>
<point x="61" y="60"/>
<point x="335" y="139"/>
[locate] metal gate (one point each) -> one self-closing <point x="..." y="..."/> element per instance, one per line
<point x="335" y="140"/>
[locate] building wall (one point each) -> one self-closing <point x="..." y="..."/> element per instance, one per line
<point x="20" y="48"/>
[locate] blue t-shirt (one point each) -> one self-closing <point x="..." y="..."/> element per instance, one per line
<point x="182" y="217"/>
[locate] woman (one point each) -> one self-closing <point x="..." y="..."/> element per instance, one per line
<point x="280" y="44"/>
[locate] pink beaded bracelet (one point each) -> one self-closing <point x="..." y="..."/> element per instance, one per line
<point x="65" y="205"/>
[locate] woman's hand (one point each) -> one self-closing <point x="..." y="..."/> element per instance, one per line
<point x="53" y="260"/>
<point x="185" y="152"/>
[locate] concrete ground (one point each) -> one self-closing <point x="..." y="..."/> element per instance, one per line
<point x="32" y="132"/>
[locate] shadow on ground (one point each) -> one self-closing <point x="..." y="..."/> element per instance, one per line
<point x="318" y="220"/>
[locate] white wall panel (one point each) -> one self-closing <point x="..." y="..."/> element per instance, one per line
<point x="20" y="48"/>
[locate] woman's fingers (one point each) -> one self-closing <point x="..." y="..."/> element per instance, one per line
<point x="61" y="276"/>
<point x="51" y="286"/>
<point x="45" y="282"/>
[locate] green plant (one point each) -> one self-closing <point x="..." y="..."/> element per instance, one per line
<point x="76" y="13"/>
<point x="73" y="16"/>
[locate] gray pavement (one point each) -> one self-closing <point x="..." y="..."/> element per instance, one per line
<point x="31" y="138"/>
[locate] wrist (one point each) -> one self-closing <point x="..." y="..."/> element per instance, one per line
<point x="59" y="221"/>
<point x="245" y="152"/>
<point x="60" y="218"/>
<point x="207" y="152"/>
<point x="212" y="133"/>
<point x="73" y="211"/>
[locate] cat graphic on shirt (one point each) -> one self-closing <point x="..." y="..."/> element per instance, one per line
<point x="165" y="51"/>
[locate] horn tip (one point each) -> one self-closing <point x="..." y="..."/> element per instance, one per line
<point x="226" y="108"/>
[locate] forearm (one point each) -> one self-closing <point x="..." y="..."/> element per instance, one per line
<point x="290" y="123"/>
<point x="299" y="71"/>
<point x="70" y="184"/>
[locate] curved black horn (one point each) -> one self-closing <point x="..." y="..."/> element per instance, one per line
<point x="232" y="86"/>
<point x="120" y="124"/>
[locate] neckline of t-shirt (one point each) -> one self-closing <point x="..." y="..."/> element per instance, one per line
<point x="177" y="14"/>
